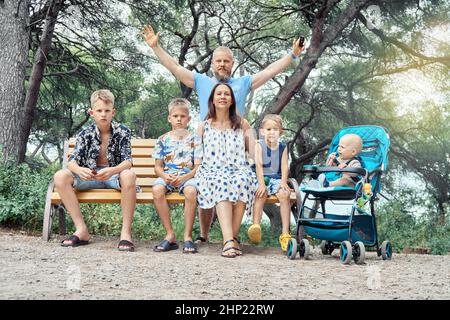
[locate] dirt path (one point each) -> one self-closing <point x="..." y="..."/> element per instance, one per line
<point x="34" y="269"/>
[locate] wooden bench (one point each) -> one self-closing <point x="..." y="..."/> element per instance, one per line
<point x="143" y="166"/>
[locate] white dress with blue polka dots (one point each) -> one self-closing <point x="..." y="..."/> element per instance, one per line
<point x="225" y="174"/>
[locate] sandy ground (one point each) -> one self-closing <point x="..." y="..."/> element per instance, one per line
<point x="34" y="269"/>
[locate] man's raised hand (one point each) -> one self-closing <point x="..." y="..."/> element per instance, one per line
<point x="149" y="36"/>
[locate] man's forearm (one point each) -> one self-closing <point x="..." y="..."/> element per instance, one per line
<point x="166" y="60"/>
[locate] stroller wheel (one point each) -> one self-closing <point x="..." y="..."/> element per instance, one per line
<point x="291" y="249"/>
<point x="386" y="250"/>
<point x="359" y="252"/>
<point x="345" y="252"/>
<point x="326" y="247"/>
<point x="305" y="249"/>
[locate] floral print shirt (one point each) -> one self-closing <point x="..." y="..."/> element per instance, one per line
<point x="179" y="156"/>
<point x="87" y="146"/>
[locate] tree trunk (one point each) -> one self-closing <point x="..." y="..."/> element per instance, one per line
<point x="13" y="61"/>
<point x="37" y="74"/>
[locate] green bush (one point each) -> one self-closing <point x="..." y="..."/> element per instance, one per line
<point x="22" y="195"/>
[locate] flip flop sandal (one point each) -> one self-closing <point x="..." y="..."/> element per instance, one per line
<point x="165" y="245"/>
<point x="189" y="247"/>
<point x="200" y="240"/>
<point x="75" y="242"/>
<point x="126" y="246"/>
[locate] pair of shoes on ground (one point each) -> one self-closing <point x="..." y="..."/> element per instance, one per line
<point x="165" y="245"/>
<point x="75" y="241"/>
<point x="237" y="251"/>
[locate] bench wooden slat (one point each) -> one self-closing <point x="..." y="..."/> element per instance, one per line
<point x="143" y="162"/>
<point x="113" y="196"/>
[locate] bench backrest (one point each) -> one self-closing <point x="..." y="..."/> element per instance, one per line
<point x="143" y="162"/>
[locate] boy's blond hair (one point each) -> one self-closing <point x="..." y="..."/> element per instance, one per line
<point x="179" y="103"/>
<point x="273" y="117"/>
<point x="102" y="94"/>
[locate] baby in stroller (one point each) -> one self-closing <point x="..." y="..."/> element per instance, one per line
<point x="350" y="145"/>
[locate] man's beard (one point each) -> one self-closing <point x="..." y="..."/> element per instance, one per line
<point x="221" y="78"/>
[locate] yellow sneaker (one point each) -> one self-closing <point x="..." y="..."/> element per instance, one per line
<point x="284" y="239"/>
<point x="254" y="233"/>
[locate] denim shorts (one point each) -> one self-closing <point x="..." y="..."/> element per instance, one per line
<point x="274" y="186"/>
<point x="82" y="185"/>
<point x="190" y="183"/>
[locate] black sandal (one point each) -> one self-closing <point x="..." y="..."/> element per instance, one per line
<point x="238" y="249"/>
<point x="233" y="255"/>
<point x="200" y="240"/>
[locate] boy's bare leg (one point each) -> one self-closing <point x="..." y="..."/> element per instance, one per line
<point x="190" y="204"/>
<point x="224" y="211"/>
<point x="205" y="217"/>
<point x="127" y="202"/>
<point x="64" y="183"/>
<point x="258" y="207"/>
<point x="163" y="210"/>
<point x="285" y="210"/>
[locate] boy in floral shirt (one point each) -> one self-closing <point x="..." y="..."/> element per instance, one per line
<point x="178" y="154"/>
<point x="101" y="159"/>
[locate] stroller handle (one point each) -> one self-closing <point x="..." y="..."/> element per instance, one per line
<point x="317" y="170"/>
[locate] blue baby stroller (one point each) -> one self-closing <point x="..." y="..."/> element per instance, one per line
<point x="357" y="228"/>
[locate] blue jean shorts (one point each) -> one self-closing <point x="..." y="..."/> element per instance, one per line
<point x="274" y="186"/>
<point x="82" y="185"/>
<point x="190" y="183"/>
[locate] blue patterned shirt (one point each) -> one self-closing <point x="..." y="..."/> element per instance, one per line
<point x="87" y="146"/>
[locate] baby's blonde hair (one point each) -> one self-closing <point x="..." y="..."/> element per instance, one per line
<point x="354" y="140"/>
<point x="272" y="117"/>
<point x="102" y="94"/>
<point x="179" y="103"/>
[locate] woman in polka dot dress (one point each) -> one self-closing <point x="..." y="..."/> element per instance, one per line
<point x="225" y="179"/>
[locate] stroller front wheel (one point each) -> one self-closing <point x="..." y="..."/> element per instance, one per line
<point x="345" y="253"/>
<point x="291" y="249"/>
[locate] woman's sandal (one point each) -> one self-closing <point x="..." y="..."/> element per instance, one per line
<point x="230" y="255"/>
<point x="238" y="249"/>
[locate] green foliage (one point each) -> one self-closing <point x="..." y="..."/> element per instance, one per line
<point x="22" y="195"/>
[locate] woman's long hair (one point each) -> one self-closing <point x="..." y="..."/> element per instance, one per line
<point x="234" y="117"/>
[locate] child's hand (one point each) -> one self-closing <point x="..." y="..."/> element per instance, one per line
<point x="179" y="180"/>
<point x="105" y="174"/>
<point x="261" y="191"/>
<point x="150" y="37"/>
<point x="85" y="174"/>
<point x="284" y="186"/>
<point x="330" y="160"/>
<point x="169" y="178"/>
